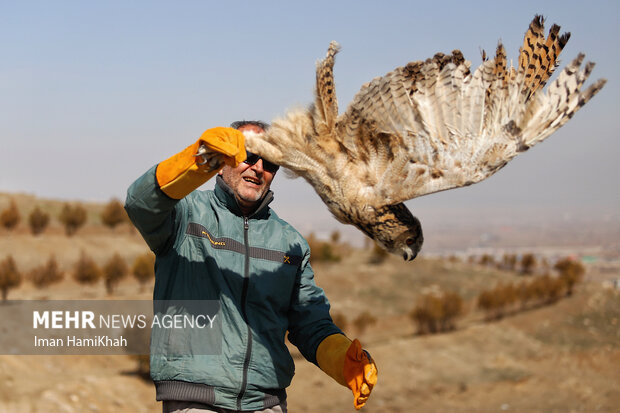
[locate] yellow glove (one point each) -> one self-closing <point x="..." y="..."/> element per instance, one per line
<point x="180" y="174"/>
<point x="349" y="365"/>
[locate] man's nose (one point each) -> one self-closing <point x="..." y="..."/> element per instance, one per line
<point x="258" y="166"/>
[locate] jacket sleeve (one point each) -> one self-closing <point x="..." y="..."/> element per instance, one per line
<point x="153" y="213"/>
<point x="309" y="319"/>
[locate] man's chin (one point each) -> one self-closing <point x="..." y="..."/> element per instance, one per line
<point x="251" y="196"/>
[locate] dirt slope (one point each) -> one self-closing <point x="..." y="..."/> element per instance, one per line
<point x="562" y="358"/>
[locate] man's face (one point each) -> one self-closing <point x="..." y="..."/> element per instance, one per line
<point x="249" y="182"/>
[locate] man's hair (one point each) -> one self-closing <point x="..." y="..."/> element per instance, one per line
<point x="240" y="123"/>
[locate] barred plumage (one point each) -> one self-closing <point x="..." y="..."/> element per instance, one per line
<point x="426" y="127"/>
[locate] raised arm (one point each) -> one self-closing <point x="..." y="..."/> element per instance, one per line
<point x="154" y="197"/>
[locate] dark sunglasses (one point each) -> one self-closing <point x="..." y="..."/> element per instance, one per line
<point x="267" y="166"/>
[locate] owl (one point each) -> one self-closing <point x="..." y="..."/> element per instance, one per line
<point x="424" y="127"/>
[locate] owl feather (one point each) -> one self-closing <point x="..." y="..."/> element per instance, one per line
<point x="424" y="127"/>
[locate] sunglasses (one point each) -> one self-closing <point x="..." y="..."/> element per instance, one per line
<point x="267" y="166"/>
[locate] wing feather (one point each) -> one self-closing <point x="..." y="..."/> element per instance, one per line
<point x="465" y="127"/>
<point x="428" y="126"/>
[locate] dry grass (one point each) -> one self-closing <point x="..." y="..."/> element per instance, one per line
<point x="561" y="357"/>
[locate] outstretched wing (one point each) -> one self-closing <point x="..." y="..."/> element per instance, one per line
<point x="428" y="126"/>
<point x="431" y="126"/>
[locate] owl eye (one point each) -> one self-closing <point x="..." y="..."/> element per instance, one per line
<point x="410" y="241"/>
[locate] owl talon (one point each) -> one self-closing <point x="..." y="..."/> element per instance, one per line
<point x="202" y="152"/>
<point x="214" y="163"/>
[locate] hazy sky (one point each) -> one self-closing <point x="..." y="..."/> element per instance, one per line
<point x="94" y="93"/>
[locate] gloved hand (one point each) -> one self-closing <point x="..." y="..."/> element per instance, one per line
<point x="180" y="174"/>
<point x="228" y="142"/>
<point x="348" y="364"/>
<point x="360" y="373"/>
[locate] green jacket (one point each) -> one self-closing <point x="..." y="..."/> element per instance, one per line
<point x="258" y="269"/>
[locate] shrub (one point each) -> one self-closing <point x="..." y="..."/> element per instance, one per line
<point x="571" y="273"/>
<point x="427" y="314"/>
<point x="509" y="262"/>
<point x="321" y="251"/>
<point x="496" y="302"/>
<point x="541" y="290"/>
<point x="453" y="259"/>
<point x="114" y="270"/>
<point x="546" y="289"/>
<point x="525" y="294"/>
<point x="86" y="270"/>
<point x="10" y="277"/>
<point x="10" y="217"/>
<point x="46" y="274"/>
<point x="437" y="312"/>
<point x="314" y="245"/>
<point x="327" y="253"/>
<point x="553" y="288"/>
<point x="452" y="307"/>
<point x="486" y="302"/>
<point x="72" y="217"/>
<point x="38" y="221"/>
<point x="113" y="214"/>
<point x="537" y="289"/>
<point x="528" y="263"/>
<point x="335" y="237"/>
<point x="508" y="295"/>
<point x="487" y="260"/>
<point x="143" y="268"/>
<point x="364" y="320"/>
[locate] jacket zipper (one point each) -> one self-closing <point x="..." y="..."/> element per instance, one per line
<point x="244" y="294"/>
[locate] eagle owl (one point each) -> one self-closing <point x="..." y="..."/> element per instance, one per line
<point x="422" y="128"/>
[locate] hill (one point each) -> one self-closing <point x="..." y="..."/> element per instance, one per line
<point x="561" y="357"/>
<point x="556" y="358"/>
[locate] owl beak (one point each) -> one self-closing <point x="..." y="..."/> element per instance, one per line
<point x="409" y="255"/>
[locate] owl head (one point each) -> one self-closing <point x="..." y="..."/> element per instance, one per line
<point x="397" y="230"/>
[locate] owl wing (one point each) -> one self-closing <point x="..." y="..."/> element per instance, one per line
<point x="433" y="125"/>
<point x="428" y="126"/>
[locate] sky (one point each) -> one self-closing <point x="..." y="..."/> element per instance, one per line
<point x="94" y="93"/>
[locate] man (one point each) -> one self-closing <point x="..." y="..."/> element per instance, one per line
<point x="228" y="245"/>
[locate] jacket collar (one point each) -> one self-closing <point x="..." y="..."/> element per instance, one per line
<point x="225" y="194"/>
